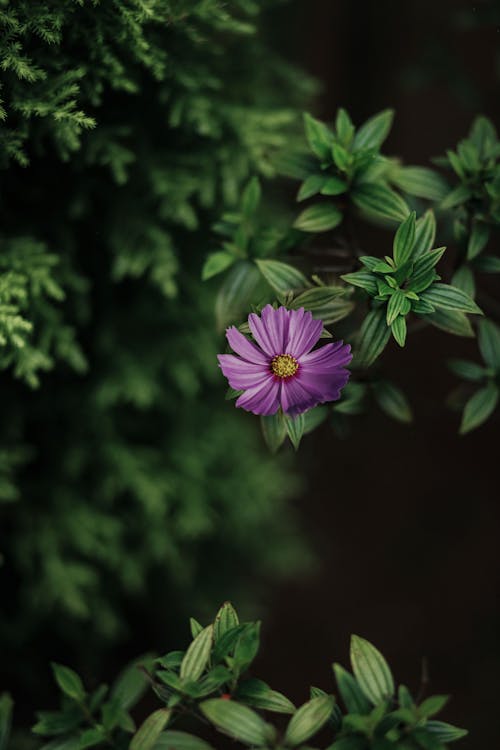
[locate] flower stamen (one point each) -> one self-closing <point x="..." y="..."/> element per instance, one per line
<point x="284" y="365"/>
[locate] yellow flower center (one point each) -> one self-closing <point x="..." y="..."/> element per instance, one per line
<point x="284" y="365"/>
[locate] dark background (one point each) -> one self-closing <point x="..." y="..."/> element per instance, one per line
<point x="404" y="520"/>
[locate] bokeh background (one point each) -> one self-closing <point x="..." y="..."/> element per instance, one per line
<point x="323" y="546"/>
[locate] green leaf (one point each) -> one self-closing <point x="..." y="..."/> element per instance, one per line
<point x="69" y="682"/>
<point x="334" y="186"/>
<point x="487" y="264"/>
<point x="374" y="336"/>
<point x="354" y="742"/>
<point x="467" y="370"/>
<point x="456" y="197"/>
<point x="308" y="720"/>
<point x="149" y="731"/>
<point x="354" y="699"/>
<point x="451" y="321"/>
<point x="421" y="182"/>
<point x="216" y="263"/>
<point x="92" y="737"/>
<point x="324" y="302"/>
<point x="479" y="407"/>
<point x="237" y="291"/>
<point x="131" y="683"/>
<point x="380" y="200"/>
<point x="196" y="657"/>
<point x="478" y="239"/>
<point x="319" y="137"/>
<point x="247" y="646"/>
<point x="392" y="401"/>
<point x="295" y="429"/>
<point x="450" y="298"/>
<point x="251" y="197"/>
<point x="225" y="619"/>
<point x="172" y="739"/>
<point x="404" y="240"/>
<point x="282" y="277"/>
<point x="352" y="400"/>
<point x="399" y="330"/>
<point x="274" y="430"/>
<point x="341" y="157"/>
<point x="344" y="128"/>
<point x="374" y="131"/>
<point x="422" y="268"/>
<point x="311" y="186"/>
<point x="314" y="417"/>
<point x="489" y="343"/>
<point x="318" y="218"/>
<point x="433" y="705"/>
<point x="211" y="682"/>
<point x="425" y="233"/>
<point x="238" y="721"/>
<point x="463" y="279"/>
<point x="445" y="732"/>
<point x="195" y="627"/>
<point x="258" y="694"/>
<point x="362" y="279"/>
<point x="6" y="706"/>
<point x="371" y="671"/>
<point x="397" y="305"/>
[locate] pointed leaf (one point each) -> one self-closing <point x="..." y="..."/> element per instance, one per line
<point x="425" y="233"/>
<point x="489" y="343"/>
<point x="379" y="200"/>
<point x="371" y="671"/>
<point x="225" y="619"/>
<point x="478" y="239"/>
<point x="196" y="657"/>
<point x="392" y="401"/>
<point x="479" y="407"/>
<point x="374" y="336"/>
<point x="274" y="430"/>
<point x="450" y="298"/>
<point x="374" y="131"/>
<point x="149" y="731"/>
<point x="404" y="240"/>
<point x="354" y="699"/>
<point x="318" y="218"/>
<point x="238" y="721"/>
<point x="282" y="277"/>
<point x="308" y="720"/>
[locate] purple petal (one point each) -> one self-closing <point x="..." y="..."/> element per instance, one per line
<point x="326" y="358"/>
<point x="295" y="398"/>
<point x="303" y="332"/>
<point x="242" y="374"/>
<point x="242" y="346"/>
<point x="325" y="386"/>
<point x="261" y="399"/>
<point x="268" y="330"/>
<point x="276" y="323"/>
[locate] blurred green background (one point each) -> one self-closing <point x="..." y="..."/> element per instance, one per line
<point x="132" y="494"/>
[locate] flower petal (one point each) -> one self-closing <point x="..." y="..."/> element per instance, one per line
<point x="276" y="323"/>
<point x="242" y="374"/>
<point x="325" y="386"/>
<point x="267" y="330"/>
<point x="303" y="332"/>
<point x="242" y="346"/>
<point x="261" y="399"/>
<point x="326" y="358"/>
<point x="295" y="398"/>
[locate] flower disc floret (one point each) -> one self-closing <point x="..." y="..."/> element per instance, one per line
<point x="284" y="365"/>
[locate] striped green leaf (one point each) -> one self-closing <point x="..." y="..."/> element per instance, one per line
<point x="425" y="233"/>
<point x="308" y="720"/>
<point x="318" y="218"/>
<point x="354" y="699"/>
<point x="225" y="619"/>
<point x="489" y="343"/>
<point x="237" y="721"/>
<point x="196" y="657"/>
<point x="150" y="730"/>
<point x="451" y="321"/>
<point x="479" y="407"/>
<point x="374" y="131"/>
<point x="450" y="298"/>
<point x="371" y="671"/>
<point x="374" y="335"/>
<point x="380" y="200"/>
<point x="282" y="277"/>
<point x="173" y="739"/>
<point x="404" y="240"/>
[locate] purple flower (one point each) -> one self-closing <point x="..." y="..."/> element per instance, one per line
<point x="281" y="370"/>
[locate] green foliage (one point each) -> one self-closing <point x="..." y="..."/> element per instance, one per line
<point x="378" y="297"/>
<point x="217" y="689"/>
<point x="122" y="139"/>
